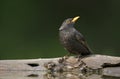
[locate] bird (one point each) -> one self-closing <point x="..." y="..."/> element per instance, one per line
<point x="72" y="40"/>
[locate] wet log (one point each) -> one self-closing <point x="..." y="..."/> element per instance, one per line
<point x="101" y="64"/>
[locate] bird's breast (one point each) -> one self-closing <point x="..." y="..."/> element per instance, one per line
<point x="66" y="36"/>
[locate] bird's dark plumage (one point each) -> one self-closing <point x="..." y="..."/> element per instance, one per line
<point x="72" y="40"/>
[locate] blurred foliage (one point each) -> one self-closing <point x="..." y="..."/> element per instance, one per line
<point x="29" y="28"/>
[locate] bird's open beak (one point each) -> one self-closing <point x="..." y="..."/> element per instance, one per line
<point x="75" y="19"/>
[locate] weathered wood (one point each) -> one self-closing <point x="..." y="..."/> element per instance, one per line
<point x="108" y="65"/>
<point x="101" y="61"/>
<point x="24" y="64"/>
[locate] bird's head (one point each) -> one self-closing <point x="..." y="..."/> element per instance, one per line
<point x="68" y="23"/>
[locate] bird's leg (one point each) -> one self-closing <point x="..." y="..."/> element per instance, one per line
<point x="79" y="57"/>
<point x="64" y="58"/>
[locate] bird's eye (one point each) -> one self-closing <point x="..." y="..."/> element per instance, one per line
<point x="68" y="21"/>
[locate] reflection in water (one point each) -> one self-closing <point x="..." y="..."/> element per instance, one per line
<point x="71" y="75"/>
<point x="109" y="77"/>
<point x="54" y="75"/>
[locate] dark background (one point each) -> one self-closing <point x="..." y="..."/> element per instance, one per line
<point x="29" y="28"/>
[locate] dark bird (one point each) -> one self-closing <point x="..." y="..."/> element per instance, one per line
<point x="72" y="40"/>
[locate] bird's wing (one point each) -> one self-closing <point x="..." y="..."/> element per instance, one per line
<point x="80" y="38"/>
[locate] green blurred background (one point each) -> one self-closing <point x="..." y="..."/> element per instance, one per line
<point x="29" y="28"/>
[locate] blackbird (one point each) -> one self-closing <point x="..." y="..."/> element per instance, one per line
<point x="72" y="40"/>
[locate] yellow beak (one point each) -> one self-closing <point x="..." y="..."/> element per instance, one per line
<point x="75" y="19"/>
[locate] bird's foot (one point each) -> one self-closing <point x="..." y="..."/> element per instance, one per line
<point x="79" y="57"/>
<point x="66" y="57"/>
<point x="63" y="58"/>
